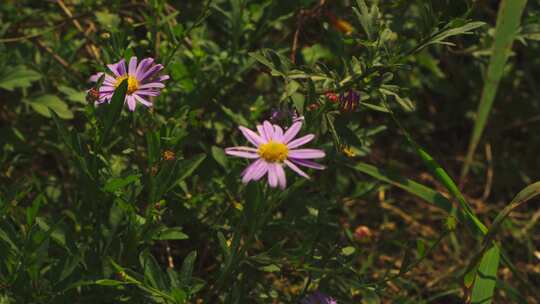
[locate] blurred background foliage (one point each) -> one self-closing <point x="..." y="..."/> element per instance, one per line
<point x="108" y="221"/>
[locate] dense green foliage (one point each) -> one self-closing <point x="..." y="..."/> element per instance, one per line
<point x="99" y="204"/>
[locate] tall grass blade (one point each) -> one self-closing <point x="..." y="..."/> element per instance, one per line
<point x="508" y="22"/>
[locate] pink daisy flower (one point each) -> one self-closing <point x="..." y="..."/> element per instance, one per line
<point x="143" y="81"/>
<point x="275" y="149"/>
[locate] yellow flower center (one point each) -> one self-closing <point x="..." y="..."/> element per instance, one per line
<point x="133" y="83"/>
<point x="273" y="151"/>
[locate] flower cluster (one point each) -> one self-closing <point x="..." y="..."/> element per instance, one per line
<point x="274" y="149"/>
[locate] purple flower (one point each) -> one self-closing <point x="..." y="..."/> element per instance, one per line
<point x="277" y="115"/>
<point x="349" y="102"/>
<point x="273" y="150"/>
<point x="143" y="81"/>
<point x="318" y="298"/>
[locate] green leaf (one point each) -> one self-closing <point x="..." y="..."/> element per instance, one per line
<point x="171" y="234"/>
<point x="114" y="109"/>
<point x="508" y="21"/>
<point x="367" y="17"/>
<point x="46" y="103"/>
<point x="425" y="193"/>
<point x="107" y="282"/>
<point x="454" y="28"/>
<point x="117" y="183"/>
<point x="187" y="268"/>
<point x="108" y="20"/>
<point x="237" y="118"/>
<point x="486" y="277"/>
<point x="270" y="268"/>
<point x="348" y="250"/>
<point x="73" y="95"/>
<point x="187" y="167"/>
<point x="31" y="212"/>
<point x="18" y="77"/>
<point x="219" y="156"/>
<point x="152" y="272"/>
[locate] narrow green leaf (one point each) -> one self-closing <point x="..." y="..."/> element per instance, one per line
<point x="187" y="268"/>
<point x="486" y="277"/>
<point x="18" y="77"/>
<point x="425" y="193"/>
<point x="174" y="233"/>
<point x="188" y="166"/>
<point x="73" y="95"/>
<point x="114" y="109"/>
<point x="219" y="156"/>
<point x="46" y="103"/>
<point x="508" y="22"/>
<point x="117" y="183"/>
<point x="107" y="282"/>
<point x="152" y="272"/>
<point x="31" y="212"/>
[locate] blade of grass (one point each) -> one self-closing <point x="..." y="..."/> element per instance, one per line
<point x="508" y="21"/>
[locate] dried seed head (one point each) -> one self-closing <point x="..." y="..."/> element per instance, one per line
<point x="169" y="155"/>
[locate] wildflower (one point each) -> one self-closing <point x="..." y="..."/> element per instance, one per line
<point x="349" y="102"/>
<point x="318" y="298"/>
<point x="142" y="79"/>
<point x="273" y="150"/>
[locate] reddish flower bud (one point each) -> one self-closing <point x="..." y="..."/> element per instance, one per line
<point x="362" y="233"/>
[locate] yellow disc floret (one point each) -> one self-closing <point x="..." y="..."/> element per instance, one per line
<point x="273" y="151"/>
<point x="133" y="83"/>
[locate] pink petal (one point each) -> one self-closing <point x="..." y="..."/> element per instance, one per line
<point x="296" y="169"/>
<point x="152" y="85"/>
<point x="131" y="102"/>
<point x="282" y="179"/>
<point x="278" y="133"/>
<point x="148" y="92"/>
<point x="118" y="68"/>
<point x="268" y="130"/>
<point x="253" y="138"/>
<point x="242" y="152"/>
<point x="162" y="78"/>
<point x="308" y="163"/>
<point x="261" y="171"/>
<point x="272" y="175"/>
<point x="142" y="100"/>
<point x="95" y="77"/>
<point x="109" y="80"/>
<point x="132" y="66"/>
<point x="306" y="153"/>
<point x="143" y="66"/>
<point x="292" y="131"/>
<point x="300" y="141"/>
<point x="254" y="170"/>
<point x="260" y="129"/>
<point x="150" y="72"/>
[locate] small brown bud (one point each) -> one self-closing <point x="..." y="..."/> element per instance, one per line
<point x="168" y="155"/>
<point x="362" y="233"/>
